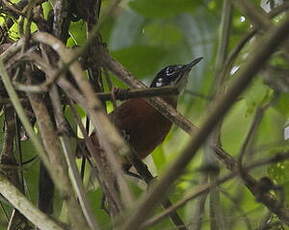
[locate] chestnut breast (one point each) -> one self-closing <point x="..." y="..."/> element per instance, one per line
<point x="143" y="127"/>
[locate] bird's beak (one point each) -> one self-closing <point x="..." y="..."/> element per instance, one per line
<point x="189" y="66"/>
<point x="185" y="70"/>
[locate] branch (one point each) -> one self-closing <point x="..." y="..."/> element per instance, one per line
<point x="69" y="157"/>
<point x="217" y="219"/>
<point x="255" y="13"/>
<point x="205" y="188"/>
<point x="19" y="201"/>
<point x="237" y="49"/>
<point x="110" y="139"/>
<point x="56" y="157"/>
<point x="271" y="41"/>
<point x="159" y="104"/>
<point x="146" y="175"/>
<point x="21" y="113"/>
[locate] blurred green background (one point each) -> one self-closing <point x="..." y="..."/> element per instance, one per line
<point x="147" y="35"/>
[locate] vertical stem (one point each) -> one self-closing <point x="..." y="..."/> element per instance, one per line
<point x="216" y="214"/>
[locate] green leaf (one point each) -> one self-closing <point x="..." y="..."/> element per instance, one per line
<point x="279" y="173"/>
<point x="159" y="158"/>
<point x="235" y="127"/>
<point x="31" y="171"/>
<point x="140" y="60"/>
<point x="77" y="31"/>
<point x="163" y="8"/>
<point x="163" y="34"/>
<point x="126" y="30"/>
<point x="46" y="6"/>
<point x="256" y="95"/>
<point x="95" y="199"/>
<point x="282" y="104"/>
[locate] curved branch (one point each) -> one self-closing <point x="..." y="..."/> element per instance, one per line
<point x="110" y="139"/>
<point x="269" y="43"/>
<point x="19" y="201"/>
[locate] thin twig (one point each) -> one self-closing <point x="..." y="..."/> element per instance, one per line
<point x="21" y="113"/>
<point x="69" y="156"/>
<point x="146" y="175"/>
<point x="110" y="139"/>
<point x="217" y="220"/>
<point x="159" y="104"/>
<point x="19" y="201"/>
<point x="53" y="148"/>
<point x="205" y="188"/>
<point x="258" y="17"/>
<point x="269" y="43"/>
<point x="252" y="131"/>
<point x="247" y="37"/>
<point x="121" y="94"/>
<point x="93" y="35"/>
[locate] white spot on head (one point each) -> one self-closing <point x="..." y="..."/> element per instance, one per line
<point x="159" y="84"/>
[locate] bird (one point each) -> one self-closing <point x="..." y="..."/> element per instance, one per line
<point x="141" y="125"/>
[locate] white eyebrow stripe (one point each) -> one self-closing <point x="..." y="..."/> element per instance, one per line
<point x="171" y="73"/>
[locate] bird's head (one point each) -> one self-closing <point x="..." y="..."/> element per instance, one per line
<point x="174" y="75"/>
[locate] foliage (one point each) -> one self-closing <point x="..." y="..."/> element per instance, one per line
<point x="146" y="35"/>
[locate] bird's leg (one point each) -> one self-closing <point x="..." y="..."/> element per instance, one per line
<point x="141" y="168"/>
<point x="132" y="174"/>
